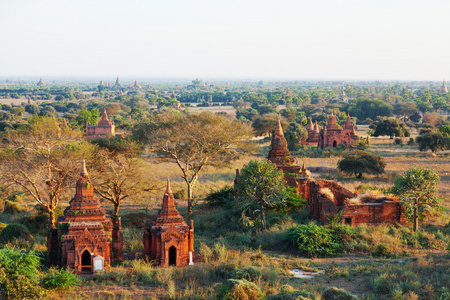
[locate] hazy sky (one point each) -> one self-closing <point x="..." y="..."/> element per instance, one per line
<point x="296" y="39"/>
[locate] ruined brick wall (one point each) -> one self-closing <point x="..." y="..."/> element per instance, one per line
<point x="322" y="207"/>
<point x="374" y="213"/>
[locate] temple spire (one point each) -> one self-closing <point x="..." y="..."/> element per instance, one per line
<point x="168" y="189"/>
<point x="83" y="168"/>
<point x="279" y="130"/>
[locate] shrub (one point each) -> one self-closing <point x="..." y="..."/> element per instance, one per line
<point x="19" y="274"/>
<point x="2" y="226"/>
<point x="314" y="240"/>
<point x="287" y="292"/>
<point x="334" y="293"/>
<point x="239" y="289"/>
<point x="222" y="197"/>
<point x="14" y="231"/>
<point x="249" y="273"/>
<point x="382" y="250"/>
<point x="180" y="194"/>
<point x="411" y="142"/>
<point x="398" y="142"/>
<point x="59" y="279"/>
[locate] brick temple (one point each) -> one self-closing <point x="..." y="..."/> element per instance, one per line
<point x="104" y="128"/>
<point x="169" y="241"/>
<point x="326" y="198"/>
<point x="332" y="135"/>
<point x="84" y="234"/>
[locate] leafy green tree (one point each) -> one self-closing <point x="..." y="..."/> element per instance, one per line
<point x="417" y="191"/>
<point x="367" y="108"/>
<point x="260" y="186"/>
<point x="434" y="141"/>
<point x="391" y="127"/>
<point x="445" y="130"/>
<point x="358" y="162"/>
<point x="294" y="134"/>
<point x="87" y="116"/>
<point x="193" y="141"/>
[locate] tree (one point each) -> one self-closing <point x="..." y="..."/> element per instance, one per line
<point x="391" y="127"/>
<point x="294" y="134"/>
<point x="43" y="158"/>
<point x="119" y="172"/>
<point x="267" y="123"/>
<point x="87" y="116"/>
<point x="417" y="191"/>
<point x="259" y="185"/>
<point x="434" y="141"/>
<point x="193" y="141"/>
<point x="359" y="162"/>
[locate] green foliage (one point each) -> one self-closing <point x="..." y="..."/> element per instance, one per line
<point x="314" y="240"/>
<point x="334" y="293"/>
<point x="391" y="127"/>
<point x="359" y="162"/>
<point x="180" y="194"/>
<point x="234" y="289"/>
<point x="15" y="231"/>
<point x="362" y="109"/>
<point x="222" y="197"/>
<point x="62" y="279"/>
<point x="382" y="250"/>
<point x="249" y="273"/>
<point x="260" y="185"/>
<point x="417" y="191"/>
<point x="19" y="274"/>
<point x="434" y="141"/>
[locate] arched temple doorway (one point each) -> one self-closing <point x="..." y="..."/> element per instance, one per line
<point x="172" y="256"/>
<point x="86" y="261"/>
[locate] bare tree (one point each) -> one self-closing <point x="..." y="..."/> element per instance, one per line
<point x="42" y="158"/>
<point x="194" y="141"/>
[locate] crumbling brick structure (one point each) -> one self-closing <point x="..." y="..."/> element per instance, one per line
<point x="169" y="241"/>
<point x="313" y="133"/>
<point x="84" y="232"/>
<point x="326" y="198"/>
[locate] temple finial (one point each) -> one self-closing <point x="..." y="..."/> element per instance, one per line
<point x="279" y="130"/>
<point x="168" y="190"/>
<point x="83" y="169"/>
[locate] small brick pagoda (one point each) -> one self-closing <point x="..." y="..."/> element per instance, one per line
<point x="169" y="240"/>
<point x="333" y="135"/>
<point x="313" y="133"/>
<point x="103" y="129"/>
<point x="84" y="232"/>
<point x="279" y="154"/>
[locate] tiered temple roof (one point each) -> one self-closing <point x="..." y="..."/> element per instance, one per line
<point x="169" y="214"/>
<point x="279" y="153"/>
<point x="41" y="82"/>
<point x="444" y="89"/>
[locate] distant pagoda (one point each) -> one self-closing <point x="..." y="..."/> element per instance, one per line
<point x="444" y="89"/>
<point x="41" y="82"/>
<point x="118" y="82"/>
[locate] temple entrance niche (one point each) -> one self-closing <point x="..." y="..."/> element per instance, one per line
<point x="172" y="256"/>
<point x="86" y="261"/>
<point x="334" y="144"/>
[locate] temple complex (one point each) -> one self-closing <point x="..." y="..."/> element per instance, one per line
<point x="103" y="129"/>
<point x="333" y="135"/>
<point x="169" y="241"/>
<point x="41" y="82"/>
<point x="444" y="89"/>
<point x="137" y="86"/>
<point x="326" y="198"/>
<point x="82" y="240"/>
<point x="118" y="84"/>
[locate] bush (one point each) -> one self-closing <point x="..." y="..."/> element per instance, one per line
<point x="59" y="279"/>
<point x="19" y="274"/>
<point x="314" y="240"/>
<point x="180" y="194"/>
<point x="398" y="142"/>
<point x="249" y="273"/>
<point x="382" y="250"/>
<point x="222" y="197"/>
<point x="239" y="289"/>
<point x="14" y="204"/>
<point x="14" y="231"/>
<point x="334" y="293"/>
<point x="411" y="142"/>
<point x="288" y="293"/>
<point x="2" y="226"/>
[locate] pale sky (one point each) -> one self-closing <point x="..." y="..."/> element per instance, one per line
<point x="258" y="39"/>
